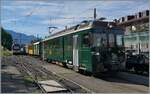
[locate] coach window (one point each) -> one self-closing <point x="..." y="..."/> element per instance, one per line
<point x="86" y="40"/>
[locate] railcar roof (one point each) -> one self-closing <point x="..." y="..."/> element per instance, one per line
<point x="36" y="43"/>
<point x="80" y="27"/>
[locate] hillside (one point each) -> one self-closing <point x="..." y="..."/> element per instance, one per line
<point x="25" y="39"/>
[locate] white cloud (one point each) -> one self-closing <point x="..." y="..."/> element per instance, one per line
<point x="7" y="8"/>
<point x="64" y="12"/>
<point x="32" y="2"/>
<point x="11" y="20"/>
<point x="44" y="10"/>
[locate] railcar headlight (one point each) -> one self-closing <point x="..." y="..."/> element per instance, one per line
<point x="97" y="53"/>
<point x="70" y="62"/>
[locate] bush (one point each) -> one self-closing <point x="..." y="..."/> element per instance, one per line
<point x="6" y="39"/>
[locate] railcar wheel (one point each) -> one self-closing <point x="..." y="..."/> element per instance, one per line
<point x="100" y="68"/>
<point x="81" y="71"/>
<point x="84" y="72"/>
<point x="65" y="65"/>
<point x="129" y="67"/>
<point x="49" y="61"/>
<point x="138" y="70"/>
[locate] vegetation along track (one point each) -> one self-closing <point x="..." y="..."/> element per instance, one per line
<point x="38" y="73"/>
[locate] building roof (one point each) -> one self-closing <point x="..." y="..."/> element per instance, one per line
<point x="138" y="18"/>
<point x="134" y="21"/>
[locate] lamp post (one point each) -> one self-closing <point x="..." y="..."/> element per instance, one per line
<point x="109" y="30"/>
<point x="137" y="39"/>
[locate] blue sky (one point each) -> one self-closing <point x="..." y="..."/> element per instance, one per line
<point x="33" y="17"/>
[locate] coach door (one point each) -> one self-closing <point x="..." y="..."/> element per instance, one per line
<point x="75" y="53"/>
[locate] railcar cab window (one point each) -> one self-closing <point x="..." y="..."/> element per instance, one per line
<point x="16" y="47"/>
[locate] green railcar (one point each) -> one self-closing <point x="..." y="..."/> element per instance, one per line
<point x="36" y="48"/>
<point x="53" y="49"/>
<point x="94" y="46"/>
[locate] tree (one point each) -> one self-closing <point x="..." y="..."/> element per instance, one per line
<point x="6" y="39"/>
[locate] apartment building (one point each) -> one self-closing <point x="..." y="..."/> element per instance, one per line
<point x="136" y="29"/>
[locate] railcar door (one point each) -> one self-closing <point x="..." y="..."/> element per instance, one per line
<point x="75" y="53"/>
<point x="43" y="50"/>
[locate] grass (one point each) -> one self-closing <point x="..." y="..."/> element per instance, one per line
<point x="28" y="80"/>
<point x="5" y="52"/>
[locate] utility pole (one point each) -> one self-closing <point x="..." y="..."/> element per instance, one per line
<point x="95" y="14"/>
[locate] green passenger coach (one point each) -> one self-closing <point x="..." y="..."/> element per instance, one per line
<point x="37" y="48"/>
<point x="93" y="46"/>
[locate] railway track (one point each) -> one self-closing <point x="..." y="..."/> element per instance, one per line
<point x="31" y="72"/>
<point x="72" y="87"/>
<point x="72" y="81"/>
<point x="127" y="71"/>
<point x="38" y="73"/>
<point x="27" y="70"/>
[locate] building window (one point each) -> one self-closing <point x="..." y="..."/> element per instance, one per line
<point x="146" y="45"/>
<point x="136" y="45"/>
<point x="140" y="14"/>
<point x="147" y="13"/>
<point x="123" y="19"/>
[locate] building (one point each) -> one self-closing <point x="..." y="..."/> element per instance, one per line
<point x="136" y="29"/>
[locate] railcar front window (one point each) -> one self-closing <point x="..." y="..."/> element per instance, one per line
<point x="111" y="40"/>
<point x="119" y="40"/>
<point x="99" y="40"/>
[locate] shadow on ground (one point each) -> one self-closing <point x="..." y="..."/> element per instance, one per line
<point x="15" y="83"/>
<point x="112" y="77"/>
<point x="12" y="83"/>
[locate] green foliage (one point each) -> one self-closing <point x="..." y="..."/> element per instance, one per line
<point x="6" y="53"/>
<point x="140" y="28"/>
<point x="6" y="39"/>
<point x="28" y="79"/>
